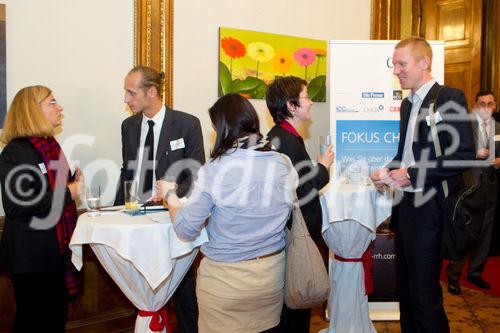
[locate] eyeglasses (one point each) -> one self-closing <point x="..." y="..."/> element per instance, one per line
<point x="489" y="104"/>
<point x="307" y="97"/>
<point x="51" y="103"/>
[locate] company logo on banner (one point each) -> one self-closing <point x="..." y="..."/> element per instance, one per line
<point x="372" y="95"/>
<point x="397" y="95"/>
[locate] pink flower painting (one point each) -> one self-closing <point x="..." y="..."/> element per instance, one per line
<point x="304" y="57"/>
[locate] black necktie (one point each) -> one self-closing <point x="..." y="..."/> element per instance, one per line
<point x="147" y="165"/>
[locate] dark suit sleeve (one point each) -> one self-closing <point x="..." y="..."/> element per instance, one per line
<point x="194" y="150"/>
<point x="25" y="190"/>
<point x="455" y="129"/>
<point x="119" y="198"/>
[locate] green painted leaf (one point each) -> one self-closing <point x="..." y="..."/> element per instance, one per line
<point x="317" y="89"/>
<point x="260" y="91"/>
<point x="225" y="80"/>
<point x="250" y="83"/>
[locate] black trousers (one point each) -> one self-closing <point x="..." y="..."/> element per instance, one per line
<point x="185" y="303"/>
<point x="41" y="302"/>
<point x="418" y="266"/>
<point x="294" y="321"/>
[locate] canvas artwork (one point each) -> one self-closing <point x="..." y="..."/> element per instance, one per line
<point x="249" y="61"/>
<point x="3" y="79"/>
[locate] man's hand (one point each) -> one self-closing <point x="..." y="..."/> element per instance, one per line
<point x="496" y="163"/>
<point x="381" y="179"/>
<point x="400" y="177"/>
<point x="483" y="153"/>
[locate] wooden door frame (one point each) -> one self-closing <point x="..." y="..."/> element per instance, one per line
<point x="386" y="19"/>
<point x="490" y="58"/>
<point x="154" y="39"/>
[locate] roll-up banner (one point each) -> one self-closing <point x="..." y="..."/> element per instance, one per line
<point x="365" y="99"/>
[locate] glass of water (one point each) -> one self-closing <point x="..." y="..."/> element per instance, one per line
<point x="324" y="141"/>
<point x="93" y="198"/>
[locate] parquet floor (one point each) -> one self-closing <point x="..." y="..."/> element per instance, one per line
<point x="470" y="312"/>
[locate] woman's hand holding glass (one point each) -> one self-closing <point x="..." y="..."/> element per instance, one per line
<point x="328" y="157"/>
<point x="77" y="186"/>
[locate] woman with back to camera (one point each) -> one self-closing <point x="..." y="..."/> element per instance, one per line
<point x="290" y="107"/>
<point x="244" y="190"/>
<point x="38" y="196"/>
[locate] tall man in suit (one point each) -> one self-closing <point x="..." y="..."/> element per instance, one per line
<point x="485" y="130"/>
<point x="417" y="174"/>
<point x="158" y="141"/>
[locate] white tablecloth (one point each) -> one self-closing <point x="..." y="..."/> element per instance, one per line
<point x="351" y="214"/>
<point x="145" y="258"/>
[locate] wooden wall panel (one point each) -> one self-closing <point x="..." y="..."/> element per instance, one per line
<point x="459" y="24"/>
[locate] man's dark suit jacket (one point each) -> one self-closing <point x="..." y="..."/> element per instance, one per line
<point x="292" y="146"/>
<point x="176" y="125"/>
<point x="452" y="105"/>
<point x="23" y="249"/>
<point x="484" y="176"/>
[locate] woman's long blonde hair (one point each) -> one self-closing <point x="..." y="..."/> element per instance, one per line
<point x="25" y="117"/>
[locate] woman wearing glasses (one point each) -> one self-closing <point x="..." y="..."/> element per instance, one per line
<point x="290" y="107"/>
<point x="38" y="196"/>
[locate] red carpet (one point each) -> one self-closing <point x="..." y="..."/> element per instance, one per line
<point x="491" y="274"/>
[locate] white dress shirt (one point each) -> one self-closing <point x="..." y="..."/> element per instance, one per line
<point x="416" y="98"/>
<point x="482" y="128"/>
<point x="158" y="120"/>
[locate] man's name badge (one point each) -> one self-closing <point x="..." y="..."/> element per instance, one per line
<point x="177" y="144"/>
<point x="437" y="117"/>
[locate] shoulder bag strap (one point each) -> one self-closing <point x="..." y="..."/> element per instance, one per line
<point x="435" y="137"/>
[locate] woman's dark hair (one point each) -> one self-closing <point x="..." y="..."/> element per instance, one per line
<point x="283" y="89"/>
<point x="233" y="117"/>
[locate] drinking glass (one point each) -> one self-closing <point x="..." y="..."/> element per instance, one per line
<point x="93" y="197"/>
<point x="131" y="195"/>
<point x="324" y="141"/>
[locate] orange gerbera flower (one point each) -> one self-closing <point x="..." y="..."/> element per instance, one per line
<point x="282" y="61"/>
<point x="320" y="52"/>
<point x="233" y="47"/>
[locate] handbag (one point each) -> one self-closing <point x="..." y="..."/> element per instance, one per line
<point x="306" y="278"/>
<point x="461" y="227"/>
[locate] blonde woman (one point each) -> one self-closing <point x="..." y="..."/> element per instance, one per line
<point x="38" y="196"/>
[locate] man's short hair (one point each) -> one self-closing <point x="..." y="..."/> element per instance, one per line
<point x="150" y="77"/>
<point x="485" y="92"/>
<point x="419" y="48"/>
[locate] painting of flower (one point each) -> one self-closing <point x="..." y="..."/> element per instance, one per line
<point x="263" y="56"/>
<point x="304" y="57"/>
<point x="320" y="54"/>
<point x="233" y="48"/>
<point x="260" y="52"/>
<point x="282" y="61"/>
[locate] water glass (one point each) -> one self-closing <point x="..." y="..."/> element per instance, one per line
<point x="93" y="198"/>
<point x="324" y="141"/>
<point x="131" y="195"/>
